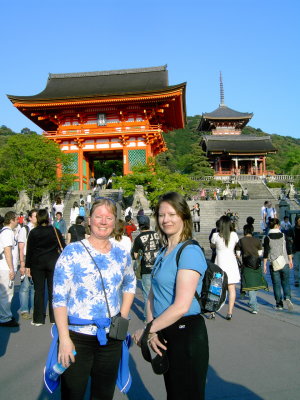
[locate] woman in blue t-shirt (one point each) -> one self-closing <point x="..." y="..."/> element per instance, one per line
<point x="172" y="306"/>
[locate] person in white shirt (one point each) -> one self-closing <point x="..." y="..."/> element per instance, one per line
<point x="8" y="268"/>
<point x="89" y="201"/>
<point x="26" y="293"/>
<point x="74" y="213"/>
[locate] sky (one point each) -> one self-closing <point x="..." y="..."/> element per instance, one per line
<point x="254" y="43"/>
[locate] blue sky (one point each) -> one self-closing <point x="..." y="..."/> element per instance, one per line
<point x="255" y="43"/>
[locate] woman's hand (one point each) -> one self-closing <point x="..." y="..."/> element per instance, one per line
<point x="65" y="352"/>
<point x="155" y="343"/>
<point x="137" y="336"/>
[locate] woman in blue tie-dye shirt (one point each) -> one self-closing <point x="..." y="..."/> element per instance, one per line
<point x="78" y="293"/>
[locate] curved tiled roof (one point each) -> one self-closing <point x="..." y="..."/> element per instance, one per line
<point x="238" y="144"/>
<point x="100" y="83"/>
<point x="223" y="113"/>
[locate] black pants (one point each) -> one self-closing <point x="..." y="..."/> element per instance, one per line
<point x="99" y="362"/>
<point x="197" y="226"/>
<point x="39" y="276"/>
<point x="187" y="349"/>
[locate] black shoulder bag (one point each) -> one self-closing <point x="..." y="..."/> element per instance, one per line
<point x="119" y="325"/>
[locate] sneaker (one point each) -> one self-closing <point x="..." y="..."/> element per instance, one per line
<point x="228" y="317"/>
<point x="10" y="324"/>
<point x="253" y="312"/>
<point x="212" y="316"/>
<point x="278" y="308"/>
<point x="25" y="315"/>
<point x="36" y="323"/>
<point x="289" y="304"/>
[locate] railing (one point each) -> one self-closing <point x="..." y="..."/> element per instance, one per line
<point x="112" y="128"/>
<point x="250" y="178"/>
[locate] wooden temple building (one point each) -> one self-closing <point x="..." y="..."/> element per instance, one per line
<point x="115" y="115"/>
<point x="228" y="150"/>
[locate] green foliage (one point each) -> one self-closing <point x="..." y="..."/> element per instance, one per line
<point x="156" y="181"/>
<point x="29" y="162"/>
<point x="275" y="185"/>
<point x="107" y="167"/>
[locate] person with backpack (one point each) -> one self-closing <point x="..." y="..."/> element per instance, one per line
<point x="146" y="244"/>
<point x="82" y="209"/>
<point x="249" y="249"/>
<point x="279" y="252"/>
<point x="176" y="330"/>
<point x="225" y="242"/>
<point x="26" y="293"/>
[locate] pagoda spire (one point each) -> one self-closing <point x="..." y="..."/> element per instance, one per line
<point x="222" y="104"/>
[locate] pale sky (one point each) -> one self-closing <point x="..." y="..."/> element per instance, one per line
<point x="255" y="43"/>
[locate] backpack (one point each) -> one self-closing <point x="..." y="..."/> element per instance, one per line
<point x="81" y="211"/>
<point x="206" y="304"/>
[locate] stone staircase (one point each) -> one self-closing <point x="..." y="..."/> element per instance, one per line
<point x="211" y="210"/>
<point x="112" y="194"/>
<point x="257" y="190"/>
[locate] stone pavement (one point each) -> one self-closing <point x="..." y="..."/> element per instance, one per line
<point x="252" y="357"/>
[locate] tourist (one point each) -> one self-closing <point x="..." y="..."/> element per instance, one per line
<point x="8" y="269"/>
<point x="295" y="233"/>
<point x="58" y="206"/>
<point x="146" y="245"/>
<point x="225" y="242"/>
<point x="120" y="238"/>
<point x="43" y="247"/>
<point x="275" y="245"/>
<point x="92" y="182"/>
<point x="79" y="293"/>
<point x="250" y="251"/>
<point x="89" y="201"/>
<point x="60" y="224"/>
<point x="82" y="209"/>
<point x="196" y="217"/>
<point x="172" y="307"/>
<point x="212" y="246"/>
<point x="77" y="231"/>
<point x="285" y="226"/>
<point x="270" y="213"/>
<point x="26" y="293"/>
<point x="129" y="226"/>
<point x="263" y="216"/>
<point x="74" y="213"/>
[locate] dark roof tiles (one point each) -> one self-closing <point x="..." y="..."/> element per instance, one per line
<point x="238" y="144"/>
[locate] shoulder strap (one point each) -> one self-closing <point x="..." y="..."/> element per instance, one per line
<point x="59" y="243"/>
<point x="100" y="277"/>
<point x="186" y="243"/>
<point x="27" y="230"/>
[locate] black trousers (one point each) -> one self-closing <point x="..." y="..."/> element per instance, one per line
<point x="187" y="349"/>
<point x="39" y="276"/>
<point x="101" y="363"/>
<point x="197" y="226"/>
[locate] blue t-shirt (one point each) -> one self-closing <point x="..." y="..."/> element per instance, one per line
<point x="165" y="273"/>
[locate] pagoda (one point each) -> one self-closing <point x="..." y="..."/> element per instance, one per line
<point x="230" y="152"/>
<point x="115" y="115"/>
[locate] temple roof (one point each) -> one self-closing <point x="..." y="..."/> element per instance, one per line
<point x="223" y="113"/>
<point x="238" y="144"/>
<point x="100" y="84"/>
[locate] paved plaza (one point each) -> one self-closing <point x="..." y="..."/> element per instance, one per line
<point x="252" y="357"/>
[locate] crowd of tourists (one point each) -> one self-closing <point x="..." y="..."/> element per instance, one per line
<point x="88" y="271"/>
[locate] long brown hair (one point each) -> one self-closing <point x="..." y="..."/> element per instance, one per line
<point x="119" y="230"/>
<point x="177" y="201"/>
<point x="225" y="228"/>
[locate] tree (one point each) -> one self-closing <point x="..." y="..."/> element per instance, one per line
<point x="29" y="162"/>
<point x="197" y="163"/>
<point x="156" y="181"/>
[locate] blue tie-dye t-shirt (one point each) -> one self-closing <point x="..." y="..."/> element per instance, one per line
<point x="77" y="283"/>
